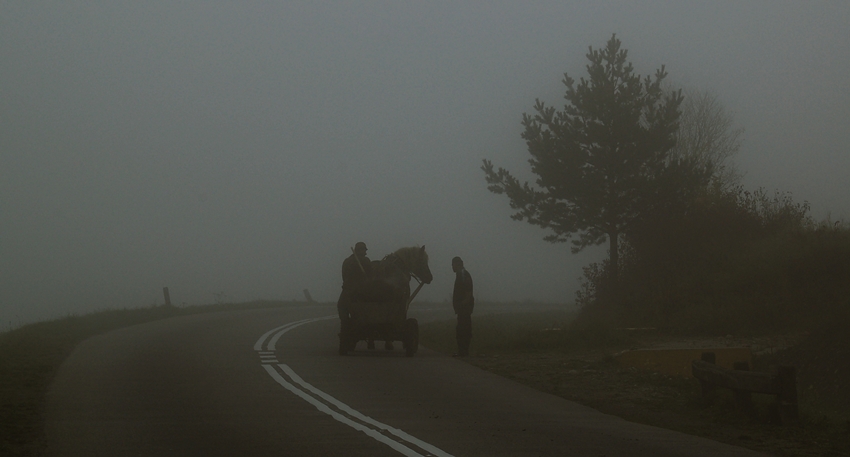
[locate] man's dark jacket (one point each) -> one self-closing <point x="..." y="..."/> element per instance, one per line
<point x="462" y="299"/>
<point x="352" y="275"/>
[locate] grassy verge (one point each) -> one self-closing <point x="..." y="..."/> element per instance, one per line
<point x="31" y="355"/>
<point x="492" y="332"/>
<point x="526" y="348"/>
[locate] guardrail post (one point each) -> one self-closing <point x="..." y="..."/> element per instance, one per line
<point x="708" y="389"/>
<point x="743" y="398"/>
<point x="787" y="399"/>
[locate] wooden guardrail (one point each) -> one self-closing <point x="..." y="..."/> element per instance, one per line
<point x="743" y="382"/>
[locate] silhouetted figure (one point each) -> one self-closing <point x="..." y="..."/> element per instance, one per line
<point x="356" y="270"/>
<point x="463" y="301"/>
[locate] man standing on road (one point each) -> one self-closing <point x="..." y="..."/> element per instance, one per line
<point x="356" y="269"/>
<point x="463" y="302"/>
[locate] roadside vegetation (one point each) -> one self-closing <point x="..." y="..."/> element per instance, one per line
<point x="647" y="169"/>
<point x="524" y="332"/>
<point x="738" y="262"/>
<point x="31" y="355"/>
<point x="556" y="353"/>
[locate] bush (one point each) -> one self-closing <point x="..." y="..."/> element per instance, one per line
<point x="734" y="262"/>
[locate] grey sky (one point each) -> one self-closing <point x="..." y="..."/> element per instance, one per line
<point x="244" y="147"/>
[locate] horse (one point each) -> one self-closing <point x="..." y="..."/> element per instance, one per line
<point x="390" y="281"/>
<point x="379" y="305"/>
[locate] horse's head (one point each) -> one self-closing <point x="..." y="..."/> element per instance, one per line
<point x="416" y="259"/>
<point x="420" y="267"/>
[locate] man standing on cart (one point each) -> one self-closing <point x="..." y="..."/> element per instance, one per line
<point x="356" y="269"/>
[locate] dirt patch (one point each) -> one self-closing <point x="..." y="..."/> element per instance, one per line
<point x="595" y="379"/>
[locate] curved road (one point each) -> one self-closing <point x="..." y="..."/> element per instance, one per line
<point x="270" y="382"/>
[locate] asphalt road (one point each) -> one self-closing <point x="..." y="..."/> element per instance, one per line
<point x="270" y="382"/>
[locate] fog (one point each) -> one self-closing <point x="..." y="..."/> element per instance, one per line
<point x="242" y="148"/>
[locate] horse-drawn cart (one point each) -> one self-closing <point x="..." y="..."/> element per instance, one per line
<point x="387" y="321"/>
<point x="379" y="307"/>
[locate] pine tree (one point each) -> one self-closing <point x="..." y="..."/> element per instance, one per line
<point x="602" y="162"/>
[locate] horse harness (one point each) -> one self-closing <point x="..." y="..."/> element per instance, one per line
<point x="398" y="262"/>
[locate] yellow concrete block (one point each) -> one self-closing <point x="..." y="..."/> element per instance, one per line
<point x="677" y="362"/>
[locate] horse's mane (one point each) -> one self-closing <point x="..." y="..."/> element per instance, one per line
<point x="409" y="253"/>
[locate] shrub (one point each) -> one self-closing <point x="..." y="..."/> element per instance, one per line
<point x="734" y="261"/>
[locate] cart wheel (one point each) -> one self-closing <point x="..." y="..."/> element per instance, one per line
<point x="411" y="337"/>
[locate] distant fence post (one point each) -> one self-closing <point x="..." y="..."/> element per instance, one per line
<point x="167" y="297"/>
<point x="307" y="296"/>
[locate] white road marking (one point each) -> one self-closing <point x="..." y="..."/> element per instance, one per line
<point x="335" y="408"/>
<point x="356" y="414"/>
<point x="336" y="415"/>
<point x="258" y="346"/>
